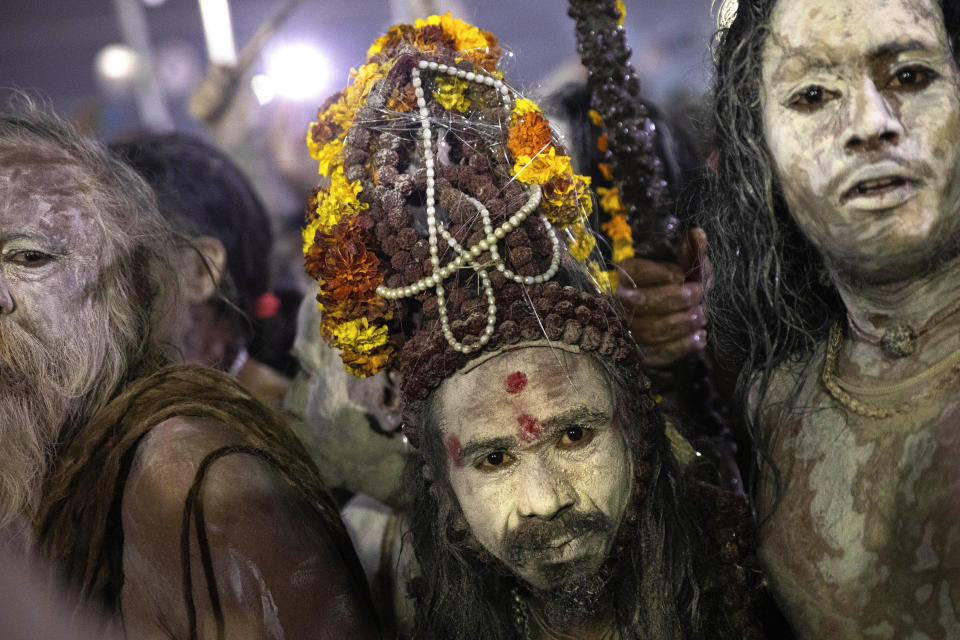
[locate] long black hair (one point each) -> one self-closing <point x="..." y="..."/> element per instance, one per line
<point x="675" y="571"/>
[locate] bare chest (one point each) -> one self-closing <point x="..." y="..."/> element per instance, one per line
<point x="865" y="542"/>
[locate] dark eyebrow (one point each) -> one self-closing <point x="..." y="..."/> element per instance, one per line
<point x="474" y="447"/>
<point x="576" y="417"/>
<point x="893" y="49"/>
<point x="556" y="425"/>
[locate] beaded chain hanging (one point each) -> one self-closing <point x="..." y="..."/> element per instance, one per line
<point x="493" y="236"/>
<point x="444" y="192"/>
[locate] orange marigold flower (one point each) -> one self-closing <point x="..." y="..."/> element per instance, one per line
<point x="602" y="141"/>
<point x="618" y="230"/>
<point x="617" y="227"/>
<point x="529" y="135"/>
<point x="343" y="265"/>
<point x="606" y="170"/>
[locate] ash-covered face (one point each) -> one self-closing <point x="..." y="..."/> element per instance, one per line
<point x="49" y="245"/>
<point x="542" y="475"/>
<point x="49" y="250"/>
<point x="862" y="119"/>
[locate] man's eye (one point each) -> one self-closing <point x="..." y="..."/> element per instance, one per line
<point x="912" y="78"/>
<point x="810" y="98"/>
<point x="30" y="258"/>
<point x="575" y="437"/>
<point x="495" y="461"/>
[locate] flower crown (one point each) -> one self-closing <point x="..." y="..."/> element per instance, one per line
<point x="414" y="222"/>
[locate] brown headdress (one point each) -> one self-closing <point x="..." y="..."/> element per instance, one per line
<point x="450" y="222"/>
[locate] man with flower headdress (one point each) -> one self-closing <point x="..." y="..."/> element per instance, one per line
<point x="545" y="493"/>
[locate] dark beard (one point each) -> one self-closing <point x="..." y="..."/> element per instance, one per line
<point x="577" y="599"/>
<point x="522" y="545"/>
<point x="578" y="589"/>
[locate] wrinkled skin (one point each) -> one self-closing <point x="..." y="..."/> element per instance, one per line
<point x="863" y="542"/>
<point x="48" y="264"/>
<point x="530" y="440"/>
<point x="50" y="247"/>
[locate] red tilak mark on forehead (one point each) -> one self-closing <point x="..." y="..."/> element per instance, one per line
<point x="516" y="382"/>
<point x="530" y="428"/>
<point x="453" y="448"/>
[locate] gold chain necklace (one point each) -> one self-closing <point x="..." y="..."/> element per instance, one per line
<point x="836" y="386"/>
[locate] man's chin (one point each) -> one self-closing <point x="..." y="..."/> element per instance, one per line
<point x="894" y="262"/>
<point x="577" y="597"/>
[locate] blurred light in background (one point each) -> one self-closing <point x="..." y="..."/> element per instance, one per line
<point x="116" y="67"/>
<point x="154" y="3"/>
<point x="263" y="89"/>
<point x="218" y="32"/>
<point x="116" y="62"/>
<point x="296" y="71"/>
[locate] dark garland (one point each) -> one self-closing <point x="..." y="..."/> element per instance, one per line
<point x="615" y="95"/>
<point x="638" y="174"/>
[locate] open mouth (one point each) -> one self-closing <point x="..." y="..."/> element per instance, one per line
<point x="877" y="187"/>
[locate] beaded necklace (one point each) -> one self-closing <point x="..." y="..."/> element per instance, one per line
<point x="841" y="391"/>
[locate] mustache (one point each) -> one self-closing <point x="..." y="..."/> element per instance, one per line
<point x="533" y="536"/>
<point x="23" y="356"/>
<point x="919" y="168"/>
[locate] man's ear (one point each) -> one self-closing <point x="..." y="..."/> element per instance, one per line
<point x="202" y="263"/>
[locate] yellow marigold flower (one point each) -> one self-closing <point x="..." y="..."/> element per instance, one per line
<point x="340" y="113"/>
<point x="328" y="156"/>
<point x="595" y="117"/>
<point x="312" y="145"/>
<point x="567" y="199"/>
<point x="622" y="11"/>
<point x="465" y="36"/>
<point x="358" y="336"/>
<point x="521" y="108"/>
<point x="541" y="168"/>
<point x="618" y="230"/>
<point x="367" y="364"/>
<point x="332" y="204"/>
<point x="581" y="242"/>
<point x="393" y="33"/>
<point x="606" y="280"/>
<point x="610" y="201"/>
<point x="451" y="93"/>
<point x="363" y="80"/>
<point x="622" y="249"/>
